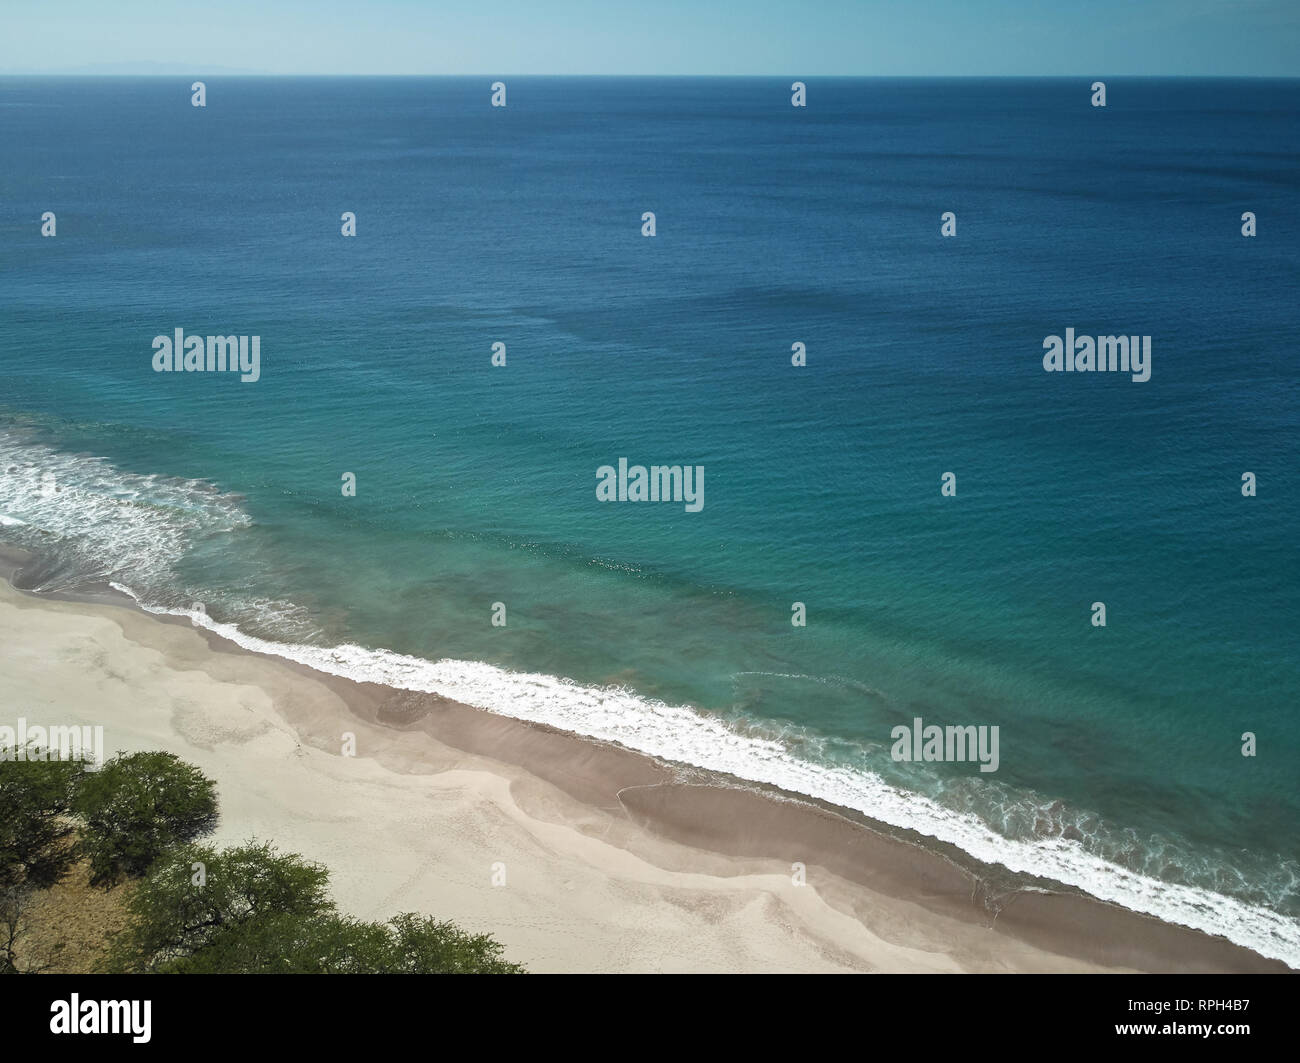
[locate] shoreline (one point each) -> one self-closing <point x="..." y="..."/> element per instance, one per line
<point x="615" y="860"/>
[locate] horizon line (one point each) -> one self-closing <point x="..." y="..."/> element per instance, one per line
<point x="803" y="77"/>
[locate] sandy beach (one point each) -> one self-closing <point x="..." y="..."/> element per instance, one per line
<point x="612" y="861"/>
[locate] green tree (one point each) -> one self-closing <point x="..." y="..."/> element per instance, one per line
<point x="324" y="943"/>
<point x="422" y="945"/>
<point x="330" y="943"/>
<point x="36" y="797"/>
<point x="135" y="807"/>
<point x="195" y="894"/>
<point x="253" y="910"/>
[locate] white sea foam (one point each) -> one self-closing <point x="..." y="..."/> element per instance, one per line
<point x="107" y="522"/>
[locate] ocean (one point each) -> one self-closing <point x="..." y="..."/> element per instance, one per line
<point x="1121" y="767"/>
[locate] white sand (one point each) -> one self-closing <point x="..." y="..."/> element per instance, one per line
<point x="409" y="824"/>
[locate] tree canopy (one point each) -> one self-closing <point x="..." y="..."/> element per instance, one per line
<point x="253" y="910"/>
<point x="137" y="806"/>
<point x="36" y="797"/>
<point x="196" y="908"/>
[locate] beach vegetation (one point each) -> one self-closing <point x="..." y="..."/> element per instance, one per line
<point x="136" y="807"/>
<point x="36" y="799"/>
<point x="255" y="910"/>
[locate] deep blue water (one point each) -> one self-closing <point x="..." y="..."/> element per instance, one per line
<point x="1120" y="746"/>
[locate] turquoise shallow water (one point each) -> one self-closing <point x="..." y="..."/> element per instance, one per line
<point x="1120" y="766"/>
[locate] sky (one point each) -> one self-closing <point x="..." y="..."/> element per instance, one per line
<point x="796" y="38"/>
